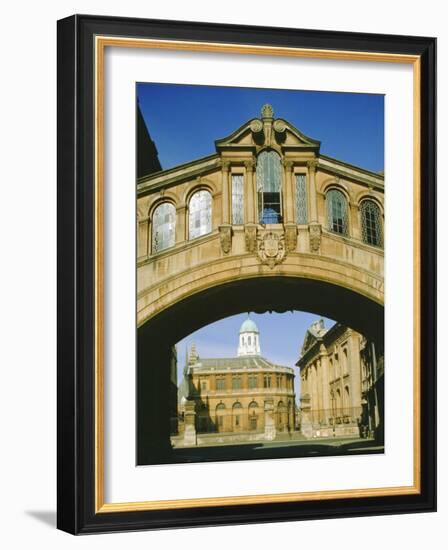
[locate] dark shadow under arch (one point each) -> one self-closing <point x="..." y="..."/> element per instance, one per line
<point x="157" y="336"/>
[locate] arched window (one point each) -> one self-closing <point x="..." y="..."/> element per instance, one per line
<point x="371" y="223"/>
<point x="200" y="214"/>
<point x="337" y="212"/>
<point x="237" y="411"/>
<point x="163" y="227"/>
<point x="253" y="415"/>
<point x="269" y="184"/>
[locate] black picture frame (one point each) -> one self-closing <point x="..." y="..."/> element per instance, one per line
<point x="76" y="479"/>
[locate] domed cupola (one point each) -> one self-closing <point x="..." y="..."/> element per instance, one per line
<point x="249" y="343"/>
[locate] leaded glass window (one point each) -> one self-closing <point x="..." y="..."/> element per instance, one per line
<point x="200" y="214"/>
<point x="301" y="199"/>
<point x="163" y="227"/>
<point x="237" y="199"/>
<point x="337" y="212"/>
<point x="269" y="184"/>
<point x="371" y="223"/>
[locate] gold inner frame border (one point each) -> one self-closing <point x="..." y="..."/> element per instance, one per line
<point x="100" y="44"/>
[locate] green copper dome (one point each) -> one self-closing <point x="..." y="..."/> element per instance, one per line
<point x="248" y="326"/>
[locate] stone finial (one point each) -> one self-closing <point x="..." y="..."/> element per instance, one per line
<point x="267" y="111"/>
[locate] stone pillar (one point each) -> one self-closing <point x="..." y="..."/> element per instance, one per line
<point x="269" y="421"/>
<point x="142" y="238"/>
<point x="226" y="192"/>
<point x="181" y="224"/>
<point x="325" y="383"/>
<point x="315" y="228"/>
<point x="354" y="356"/>
<point x="288" y="196"/>
<point x="288" y="208"/>
<point x="250" y="203"/>
<point x="190" y="424"/>
<point x="306" y="426"/>
<point x="312" y="193"/>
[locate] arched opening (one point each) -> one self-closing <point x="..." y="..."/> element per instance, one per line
<point x="237" y="417"/>
<point x="279" y="294"/>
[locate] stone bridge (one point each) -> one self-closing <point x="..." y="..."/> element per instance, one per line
<point x="267" y="223"/>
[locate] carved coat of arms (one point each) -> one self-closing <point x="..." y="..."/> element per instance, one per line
<point x="271" y="248"/>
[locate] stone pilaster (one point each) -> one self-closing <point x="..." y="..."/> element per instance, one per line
<point x="269" y="421"/>
<point x="325" y="382"/>
<point x="143" y="238"/>
<point x="250" y="203"/>
<point x="288" y="195"/>
<point x="225" y="183"/>
<point x="181" y="224"/>
<point x="312" y="193"/>
<point x="306" y="426"/>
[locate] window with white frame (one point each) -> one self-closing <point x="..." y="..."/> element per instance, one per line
<point x="200" y="214"/>
<point x="163" y="227"/>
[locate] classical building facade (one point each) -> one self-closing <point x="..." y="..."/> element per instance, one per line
<point x="341" y="383"/>
<point x="245" y="395"/>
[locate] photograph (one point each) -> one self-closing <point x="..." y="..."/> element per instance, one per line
<point x="260" y="273"/>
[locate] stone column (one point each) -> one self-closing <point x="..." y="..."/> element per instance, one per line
<point x="226" y="193"/>
<point x="250" y="203"/>
<point x="288" y="208"/>
<point x="288" y="196"/>
<point x="312" y="193"/>
<point x="314" y="226"/>
<point x="225" y="229"/>
<point x="269" y="421"/>
<point x="354" y="356"/>
<point x="181" y="224"/>
<point x="190" y="424"/>
<point x="306" y="426"/>
<point x="325" y="383"/>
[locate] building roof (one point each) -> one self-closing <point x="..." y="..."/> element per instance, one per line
<point x="249" y="362"/>
<point x="248" y="326"/>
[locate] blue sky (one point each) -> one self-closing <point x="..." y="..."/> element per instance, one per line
<point x="184" y="121"/>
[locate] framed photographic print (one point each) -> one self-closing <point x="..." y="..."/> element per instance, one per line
<point x="246" y="268"/>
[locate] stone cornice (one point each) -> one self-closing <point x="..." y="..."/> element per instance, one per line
<point x="178" y="174"/>
<point x="350" y="171"/>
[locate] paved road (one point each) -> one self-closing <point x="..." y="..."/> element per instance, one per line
<point x="276" y="449"/>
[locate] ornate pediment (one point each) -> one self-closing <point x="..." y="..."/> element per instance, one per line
<point x="267" y="131"/>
